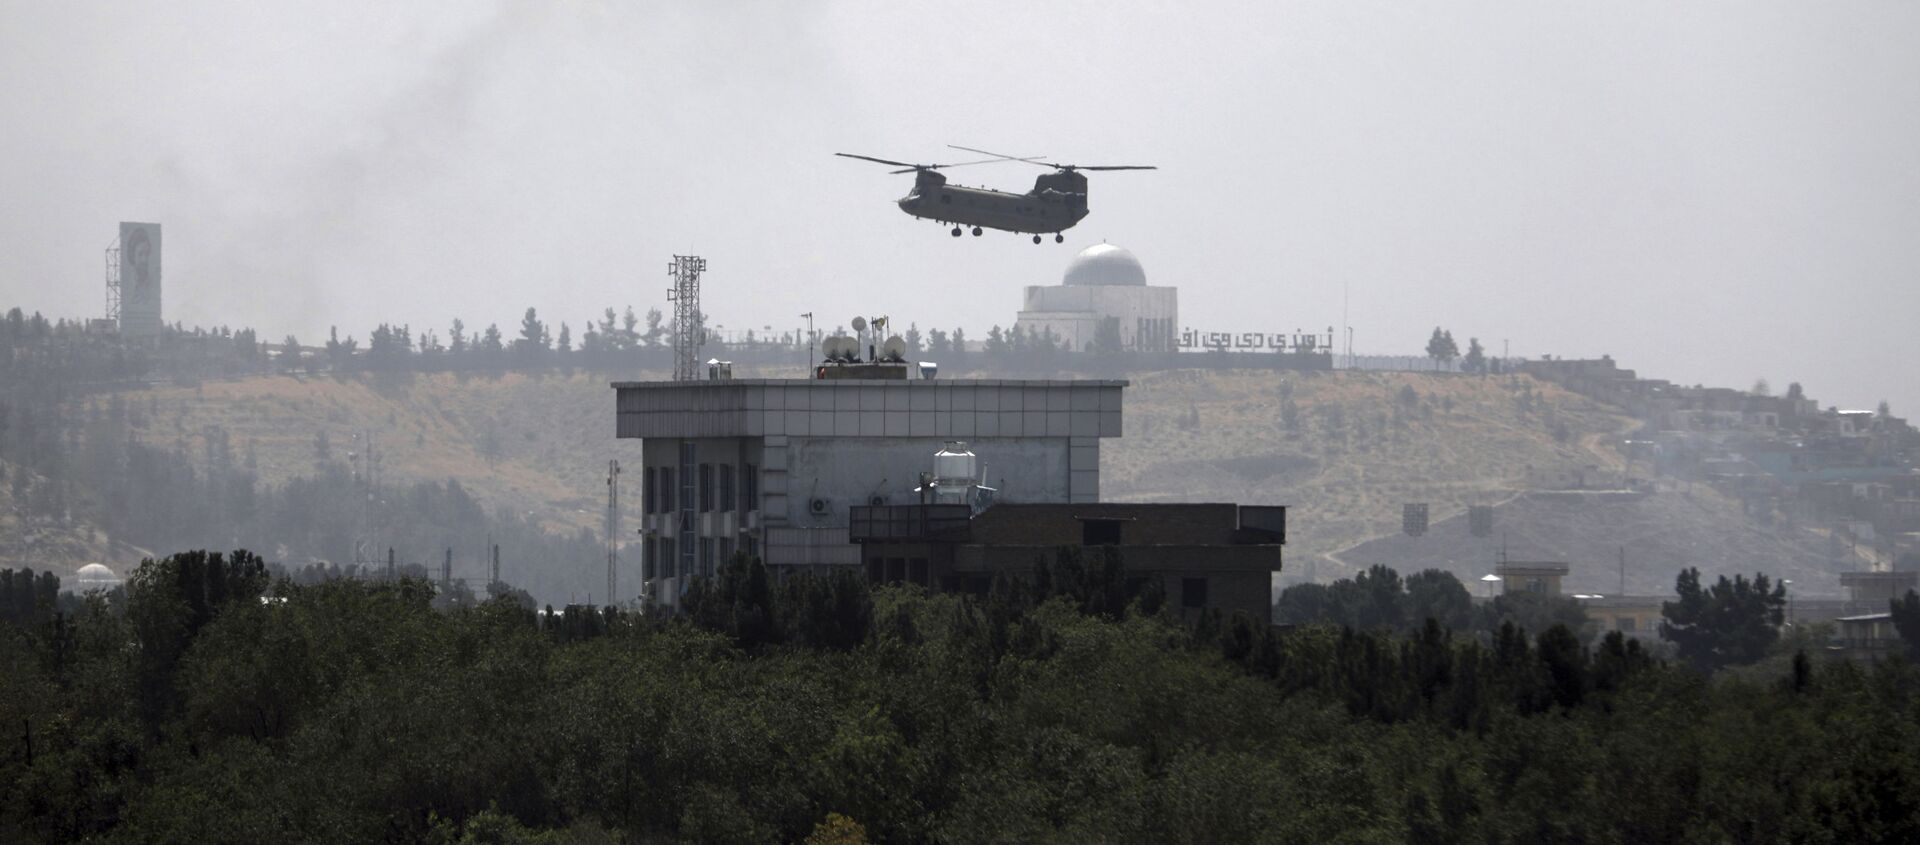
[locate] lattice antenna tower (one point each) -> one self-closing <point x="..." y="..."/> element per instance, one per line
<point x="685" y="296"/>
<point x="113" y="282"/>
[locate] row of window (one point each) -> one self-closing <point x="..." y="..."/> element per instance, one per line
<point x="714" y="489"/>
<point x="660" y="556"/>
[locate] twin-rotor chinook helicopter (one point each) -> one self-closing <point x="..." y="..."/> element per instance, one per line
<point x="1058" y="199"/>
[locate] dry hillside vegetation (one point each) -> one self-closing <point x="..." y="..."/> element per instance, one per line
<point x="52" y="545"/>
<point x="537" y="444"/>
<point x="1353" y="448"/>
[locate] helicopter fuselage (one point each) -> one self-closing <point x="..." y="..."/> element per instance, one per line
<point x="1057" y="202"/>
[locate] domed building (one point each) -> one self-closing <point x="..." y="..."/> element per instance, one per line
<point x="94" y="576"/>
<point x="1104" y="286"/>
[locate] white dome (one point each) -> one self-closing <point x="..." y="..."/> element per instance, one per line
<point x="1105" y="264"/>
<point x="96" y="576"/>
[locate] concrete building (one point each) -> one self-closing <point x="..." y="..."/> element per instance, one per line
<point x="1218" y="556"/>
<point x="771" y="466"/>
<point x="1517" y="576"/>
<point x="1104" y="285"/>
<point x="1633" y="616"/>
<point x="1868" y="636"/>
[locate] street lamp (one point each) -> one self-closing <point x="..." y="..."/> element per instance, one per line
<point x="1489" y="579"/>
<point x="1784" y="584"/>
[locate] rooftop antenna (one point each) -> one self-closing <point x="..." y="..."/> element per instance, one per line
<point x="810" y="359"/>
<point x="685" y="296"/>
<point x="113" y="282"/>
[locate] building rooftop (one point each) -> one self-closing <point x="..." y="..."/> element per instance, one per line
<point x="824" y="383"/>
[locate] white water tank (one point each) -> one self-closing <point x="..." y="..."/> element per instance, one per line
<point x="955" y="470"/>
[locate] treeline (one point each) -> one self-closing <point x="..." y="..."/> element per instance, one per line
<point x="1730" y="622"/>
<point x="352" y="711"/>
<point x="81" y="358"/>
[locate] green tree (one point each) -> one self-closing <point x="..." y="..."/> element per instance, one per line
<point x="534" y="340"/>
<point x="1441" y="348"/>
<point x="1906" y="620"/>
<point x="1475" y="360"/>
<point x="1436" y="594"/>
<point x="169" y="601"/>
<point x="1731" y="623"/>
<point x="290" y="354"/>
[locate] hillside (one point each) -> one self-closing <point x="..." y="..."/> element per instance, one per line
<point x="46" y="544"/>
<point x="1360" y="445"/>
<point x="1357" y="447"/>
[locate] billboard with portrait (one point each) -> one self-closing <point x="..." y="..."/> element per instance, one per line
<point x="140" y="280"/>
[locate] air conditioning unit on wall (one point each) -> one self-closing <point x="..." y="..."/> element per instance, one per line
<point x="819" y="506"/>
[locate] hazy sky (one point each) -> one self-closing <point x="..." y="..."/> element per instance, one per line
<point x="1711" y="192"/>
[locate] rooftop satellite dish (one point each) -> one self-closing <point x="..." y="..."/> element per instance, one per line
<point x="894" y="349"/>
<point x="839" y="348"/>
<point x="859" y="324"/>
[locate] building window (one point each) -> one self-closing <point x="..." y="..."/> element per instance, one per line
<point x="750" y="488"/>
<point x="666" y="490"/>
<point x="1100" y="532"/>
<point x="1623" y="624"/>
<point x="726" y="488"/>
<point x="726" y="550"/>
<point x="706" y="556"/>
<point x="646" y="559"/>
<point x="1193" y="592"/>
<point x="706" y="488"/>
<point x="669" y="563"/>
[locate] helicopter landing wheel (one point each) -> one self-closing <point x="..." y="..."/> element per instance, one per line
<point x="1036" y="238"/>
<point x="976" y="231"/>
<point x="956" y="231"/>
<point x="1059" y="239"/>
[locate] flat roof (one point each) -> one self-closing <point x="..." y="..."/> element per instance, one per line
<point x="802" y="382"/>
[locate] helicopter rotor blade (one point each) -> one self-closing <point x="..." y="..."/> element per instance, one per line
<point x="1056" y="165"/>
<point x="880" y="160"/>
<point x="919" y="167"/>
<point x="1005" y="157"/>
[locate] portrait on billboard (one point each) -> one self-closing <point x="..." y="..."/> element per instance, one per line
<point x="136" y="267"/>
<point x="140" y="281"/>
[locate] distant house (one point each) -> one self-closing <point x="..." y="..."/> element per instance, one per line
<point x="1866" y="637"/>
<point x="1633" y="616"/>
<point x="1542" y="577"/>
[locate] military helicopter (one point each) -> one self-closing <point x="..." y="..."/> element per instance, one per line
<point x="1058" y="199"/>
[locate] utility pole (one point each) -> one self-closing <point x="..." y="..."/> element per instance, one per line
<point x="613" y="528"/>
<point x="809" y="316"/>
